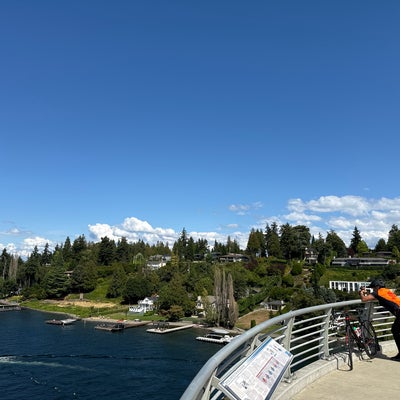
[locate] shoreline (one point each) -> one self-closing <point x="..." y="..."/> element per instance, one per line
<point x="130" y="323"/>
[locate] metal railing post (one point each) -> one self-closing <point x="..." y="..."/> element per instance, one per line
<point x="325" y="335"/>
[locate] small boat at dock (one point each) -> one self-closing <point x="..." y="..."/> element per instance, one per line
<point x="218" y="336"/>
<point x="110" y="327"/>
<point x="67" y="321"/>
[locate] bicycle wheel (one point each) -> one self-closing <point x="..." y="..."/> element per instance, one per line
<point x="350" y="346"/>
<point x="370" y="341"/>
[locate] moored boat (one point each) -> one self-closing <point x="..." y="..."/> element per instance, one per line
<point x="67" y="321"/>
<point x="219" y="336"/>
<point x="110" y="327"/>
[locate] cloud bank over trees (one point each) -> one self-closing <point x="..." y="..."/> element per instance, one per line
<point x="373" y="218"/>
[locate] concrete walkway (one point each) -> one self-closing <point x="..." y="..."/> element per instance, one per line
<point x="332" y="380"/>
<point x="377" y="379"/>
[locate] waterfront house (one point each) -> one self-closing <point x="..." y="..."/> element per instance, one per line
<point x="143" y="306"/>
<point x="203" y="303"/>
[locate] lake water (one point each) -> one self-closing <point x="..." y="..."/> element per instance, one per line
<point x="42" y="361"/>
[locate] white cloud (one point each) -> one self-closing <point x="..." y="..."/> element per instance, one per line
<point x="244" y="209"/>
<point x="14" y="231"/>
<point x="340" y="223"/>
<point x="302" y="218"/>
<point x="388" y="204"/>
<point x="135" y="224"/>
<point x="10" y="247"/>
<point x="372" y="217"/>
<point x="133" y="229"/>
<point x="35" y="241"/>
<point x="30" y="243"/>
<point x="103" y="230"/>
<point x="239" y="209"/>
<point x="352" y="205"/>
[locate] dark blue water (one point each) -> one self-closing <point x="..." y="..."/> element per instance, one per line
<point x="42" y="361"/>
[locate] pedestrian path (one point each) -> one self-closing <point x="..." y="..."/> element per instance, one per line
<point x="332" y="379"/>
<point x="378" y="378"/>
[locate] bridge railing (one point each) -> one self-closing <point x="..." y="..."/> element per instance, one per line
<point x="310" y="334"/>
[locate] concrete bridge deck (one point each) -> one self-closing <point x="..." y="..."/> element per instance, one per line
<point x="332" y="380"/>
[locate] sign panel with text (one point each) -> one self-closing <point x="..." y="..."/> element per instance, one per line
<point x="259" y="375"/>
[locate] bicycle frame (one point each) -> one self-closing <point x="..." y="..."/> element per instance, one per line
<point x="363" y="335"/>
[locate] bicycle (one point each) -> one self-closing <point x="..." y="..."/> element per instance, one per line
<point x="363" y="335"/>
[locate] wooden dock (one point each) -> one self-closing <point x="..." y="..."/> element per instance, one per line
<point x="7" y="306"/>
<point x="134" y="324"/>
<point x="111" y="327"/>
<point x="162" y="330"/>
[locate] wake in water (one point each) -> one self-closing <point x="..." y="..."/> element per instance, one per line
<point x="16" y="361"/>
<point x="9" y="358"/>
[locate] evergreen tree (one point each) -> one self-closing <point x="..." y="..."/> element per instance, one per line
<point x="78" y="247"/>
<point x="180" y="245"/>
<point x="190" y="250"/>
<point x="393" y="238"/>
<point x="5" y="261"/>
<point x="32" y="267"/>
<point x="201" y="247"/>
<point x="67" y="250"/>
<point x="302" y="240"/>
<point x="106" y="251"/>
<point x="256" y="243"/>
<point x="288" y="241"/>
<point x="380" y="246"/>
<point x="118" y="283"/>
<point x="272" y="242"/>
<point x="56" y="281"/>
<point x="355" y="240"/>
<point x="46" y="255"/>
<point x="122" y="252"/>
<point x="219" y="248"/>
<point x="84" y="277"/>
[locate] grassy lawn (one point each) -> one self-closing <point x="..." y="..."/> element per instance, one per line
<point x="343" y="274"/>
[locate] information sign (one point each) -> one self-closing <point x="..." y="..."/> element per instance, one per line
<point x="258" y="376"/>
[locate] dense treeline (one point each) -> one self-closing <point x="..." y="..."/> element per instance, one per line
<point x="274" y="269"/>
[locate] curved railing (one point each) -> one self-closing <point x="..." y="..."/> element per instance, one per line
<point x="310" y="334"/>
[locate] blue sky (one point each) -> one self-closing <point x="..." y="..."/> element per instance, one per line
<point x="141" y="118"/>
